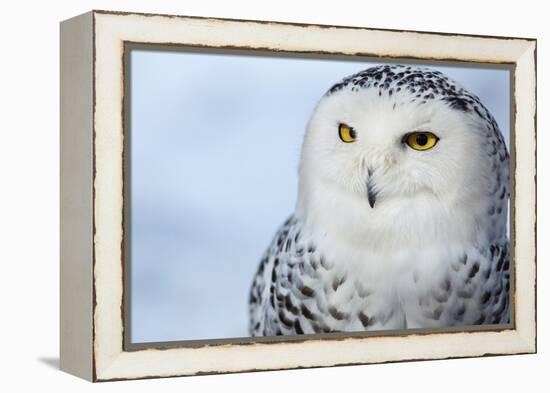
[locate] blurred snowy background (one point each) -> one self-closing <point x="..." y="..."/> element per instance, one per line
<point x="215" y="146"/>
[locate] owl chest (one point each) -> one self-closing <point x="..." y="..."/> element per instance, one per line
<point x="405" y="293"/>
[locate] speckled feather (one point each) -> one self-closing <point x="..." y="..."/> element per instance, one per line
<point x="299" y="289"/>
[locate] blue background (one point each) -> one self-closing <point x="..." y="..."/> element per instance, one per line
<point x="215" y="142"/>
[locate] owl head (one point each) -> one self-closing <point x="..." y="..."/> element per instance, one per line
<point x="397" y="149"/>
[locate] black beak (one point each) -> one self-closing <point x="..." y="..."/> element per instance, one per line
<point x="371" y="189"/>
<point x="371" y="195"/>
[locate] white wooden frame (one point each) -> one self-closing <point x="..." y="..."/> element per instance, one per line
<point x="92" y="135"/>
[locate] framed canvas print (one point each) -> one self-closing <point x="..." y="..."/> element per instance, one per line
<point x="245" y="195"/>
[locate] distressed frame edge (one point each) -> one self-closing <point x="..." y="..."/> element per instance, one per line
<point x="528" y="339"/>
<point x="76" y="196"/>
<point x="525" y="98"/>
<point x="303" y="24"/>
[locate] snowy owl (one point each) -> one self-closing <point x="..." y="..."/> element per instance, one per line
<point x="401" y="214"/>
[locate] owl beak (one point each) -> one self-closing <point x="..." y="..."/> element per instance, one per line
<point x="371" y="195"/>
<point x="371" y="189"/>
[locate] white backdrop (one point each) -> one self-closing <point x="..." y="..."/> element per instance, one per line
<point x="29" y="197"/>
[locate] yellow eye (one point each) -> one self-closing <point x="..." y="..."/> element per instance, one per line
<point x="420" y="140"/>
<point x="347" y="133"/>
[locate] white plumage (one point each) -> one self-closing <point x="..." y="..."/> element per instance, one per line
<point x="385" y="236"/>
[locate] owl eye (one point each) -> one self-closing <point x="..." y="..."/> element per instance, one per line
<point x="420" y="140"/>
<point x="347" y="133"/>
